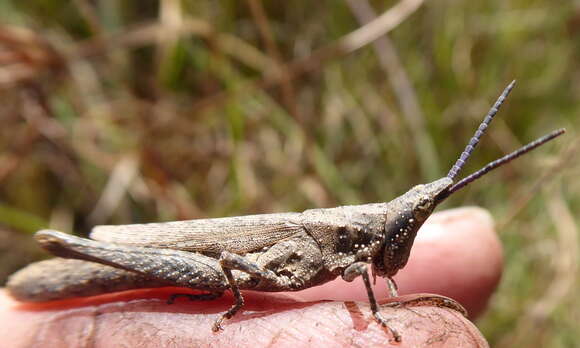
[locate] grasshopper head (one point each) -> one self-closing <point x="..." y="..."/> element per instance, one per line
<point x="406" y="214"/>
<point x="424" y="198"/>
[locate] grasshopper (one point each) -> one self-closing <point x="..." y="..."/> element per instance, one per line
<point x="269" y="252"/>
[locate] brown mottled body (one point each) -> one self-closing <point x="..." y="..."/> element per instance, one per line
<point x="269" y="252"/>
<point x="310" y="249"/>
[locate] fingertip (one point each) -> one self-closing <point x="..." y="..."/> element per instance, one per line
<point x="458" y="254"/>
<point x="264" y="321"/>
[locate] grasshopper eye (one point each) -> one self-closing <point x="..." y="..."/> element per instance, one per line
<point x="423" y="208"/>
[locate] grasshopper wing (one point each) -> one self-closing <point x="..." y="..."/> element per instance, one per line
<point x="239" y="234"/>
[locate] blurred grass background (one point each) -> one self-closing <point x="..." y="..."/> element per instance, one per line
<point x="139" y="111"/>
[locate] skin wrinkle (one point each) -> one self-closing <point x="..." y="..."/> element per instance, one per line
<point x="60" y="321"/>
<point x="280" y="332"/>
<point x="118" y="328"/>
<point x="331" y="330"/>
<point x="326" y="329"/>
<point x="92" y="333"/>
<point x="446" y="325"/>
<point x="291" y="334"/>
<point x="471" y="333"/>
<point x="274" y="339"/>
<point x="152" y="330"/>
<point x="438" y="339"/>
<point x="114" y="317"/>
<point x="143" y="331"/>
<point x="295" y="330"/>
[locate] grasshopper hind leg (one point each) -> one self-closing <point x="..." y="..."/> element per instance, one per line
<point x="228" y="262"/>
<point x="239" y="302"/>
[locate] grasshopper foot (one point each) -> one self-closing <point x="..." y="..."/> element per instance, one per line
<point x="217" y="325"/>
<point x="383" y="322"/>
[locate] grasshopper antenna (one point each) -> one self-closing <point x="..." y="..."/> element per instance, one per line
<point x="505" y="159"/>
<point x="479" y="132"/>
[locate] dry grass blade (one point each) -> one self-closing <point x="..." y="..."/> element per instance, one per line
<point x="343" y="46"/>
<point x="24" y="54"/>
<point x="407" y="98"/>
<point x="262" y="22"/>
<point x="121" y="178"/>
<point x="549" y="174"/>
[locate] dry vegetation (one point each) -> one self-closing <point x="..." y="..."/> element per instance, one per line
<point x="134" y="111"/>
